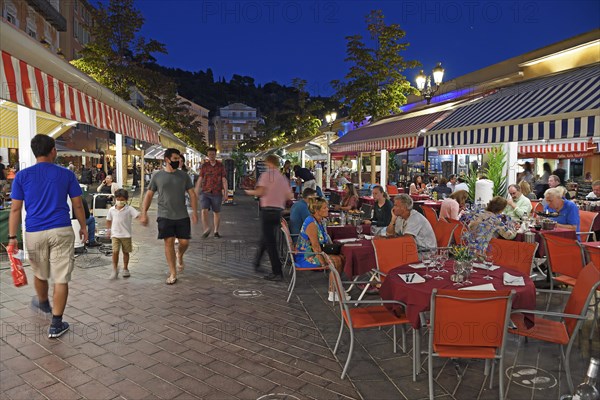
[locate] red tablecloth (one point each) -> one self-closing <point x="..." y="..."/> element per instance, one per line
<point x="596" y="226"/>
<point x="359" y="257"/>
<point x="592" y="256"/>
<point x="417" y="296"/>
<point x="368" y="200"/>
<point x="418" y="197"/>
<point x="566" y="233"/>
<point x="337" y="232"/>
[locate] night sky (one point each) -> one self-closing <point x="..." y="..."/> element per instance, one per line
<point x="275" y="40"/>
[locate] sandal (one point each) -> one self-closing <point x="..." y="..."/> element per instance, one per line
<point x="171" y="280"/>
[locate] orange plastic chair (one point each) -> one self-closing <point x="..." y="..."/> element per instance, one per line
<point x="562" y="332"/>
<point x="373" y="315"/>
<point x="514" y="255"/>
<point x="291" y="251"/>
<point x="458" y="232"/>
<point x="592" y="254"/>
<point x="459" y="327"/>
<point x="444" y="233"/>
<point x="392" y="190"/>
<point x="564" y="257"/>
<point x="391" y="253"/>
<point x="536" y="206"/>
<point x="430" y="214"/>
<point x="586" y="222"/>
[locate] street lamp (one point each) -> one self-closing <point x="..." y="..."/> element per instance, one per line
<point x="424" y="82"/>
<point x="330" y="119"/>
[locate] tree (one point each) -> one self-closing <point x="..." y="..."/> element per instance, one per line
<point x="120" y="59"/>
<point x="375" y="87"/>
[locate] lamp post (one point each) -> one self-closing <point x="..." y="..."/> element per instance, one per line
<point x="424" y="82"/>
<point x="330" y="119"/>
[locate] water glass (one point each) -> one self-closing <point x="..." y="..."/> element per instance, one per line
<point x="438" y="263"/>
<point x="467" y="273"/>
<point x="359" y="230"/>
<point x="488" y="261"/>
<point x="444" y="256"/>
<point x="457" y="269"/>
<point x="427" y="261"/>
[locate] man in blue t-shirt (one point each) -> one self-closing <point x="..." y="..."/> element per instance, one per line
<point x="49" y="237"/>
<point x="299" y="211"/>
<point x="568" y="213"/>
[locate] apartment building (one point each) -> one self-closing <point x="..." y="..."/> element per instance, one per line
<point x="200" y="115"/>
<point x="235" y="123"/>
<point x="79" y="16"/>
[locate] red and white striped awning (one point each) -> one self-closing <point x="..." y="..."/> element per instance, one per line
<point x="547" y="150"/>
<point x="28" y="86"/>
<point x="377" y="144"/>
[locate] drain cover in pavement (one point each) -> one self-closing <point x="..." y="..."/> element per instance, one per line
<point x="247" y="293"/>
<point x="531" y="377"/>
<point x="278" y="396"/>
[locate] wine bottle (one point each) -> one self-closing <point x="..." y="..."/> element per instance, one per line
<point x="587" y="390"/>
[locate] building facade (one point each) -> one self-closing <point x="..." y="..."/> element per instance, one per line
<point x="79" y="16"/>
<point x="235" y="123"/>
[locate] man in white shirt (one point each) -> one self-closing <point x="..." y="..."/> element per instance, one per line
<point x="452" y="182"/>
<point x="461" y="185"/>
<point x="406" y="221"/>
<point x="595" y="193"/>
<point x="518" y="205"/>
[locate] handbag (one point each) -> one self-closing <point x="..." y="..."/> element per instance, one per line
<point x="332" y="249"/>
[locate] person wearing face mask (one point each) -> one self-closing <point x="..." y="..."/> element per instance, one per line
<point x="118" y="222"/>
<point x="173" y="219"/>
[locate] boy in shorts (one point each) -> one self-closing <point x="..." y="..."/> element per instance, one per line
<point x="118" y="222"/>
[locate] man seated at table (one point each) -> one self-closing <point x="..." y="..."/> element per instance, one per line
<point x="442" y="189"/>
<point x="594" y="195"/>
<point x="555" y="182"/>
<point x="517" y="205"/>
<point x="299" y="212"/>
<point x="568" y="213"/>
<point x="461" y="185"/>
<point x="382" y="212"/>
<point x="406" y="221"/>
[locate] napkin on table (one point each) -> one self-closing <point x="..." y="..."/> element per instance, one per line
<point x="417" y="265"/>
<point x="346" y="240"/>
<point x="412" y="278"/>
<point x="486" y="286"/>
<point x="482" y="266"/>
<point x="511" y="280"/>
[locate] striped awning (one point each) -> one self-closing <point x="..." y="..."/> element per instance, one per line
<point x="562" y="106"/>
<point x="396" y="133"/>
<point x="29" y="86"/>
<point x="575" y="149"/>
<point x="463" y="150"/>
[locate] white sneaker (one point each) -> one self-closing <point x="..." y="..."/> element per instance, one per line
<point x="114" y="274"/>
<point x="333" y="296"/>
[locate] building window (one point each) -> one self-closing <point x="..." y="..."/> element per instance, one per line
<point x="31" y="29"/>
<point x="10" y="13"/>
<point x="236" y="129"/>
<point x="225" y="136"/>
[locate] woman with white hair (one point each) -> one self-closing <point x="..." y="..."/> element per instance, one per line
<point x="568" y="213"/>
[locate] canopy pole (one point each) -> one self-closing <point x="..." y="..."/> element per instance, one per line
<point x="384" y="168"/>
<point x="511" y="167"/>
<point x="359" y="164"/>
<point x="119" y="159"/>
<point x="373" y="168"/>
<point x="27" y="128"/>
<point x="142" y="176"/>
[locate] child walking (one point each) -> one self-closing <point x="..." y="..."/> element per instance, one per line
<point x="118" y="222"/>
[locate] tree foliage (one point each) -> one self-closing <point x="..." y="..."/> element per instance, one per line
<point x="119" y="58"/>
<point x="375" y="86"/>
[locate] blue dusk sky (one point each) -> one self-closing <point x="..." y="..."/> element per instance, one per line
<point x="274" y="40"/>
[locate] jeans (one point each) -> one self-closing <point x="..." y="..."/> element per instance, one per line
<point x="270" y="220"/>
<point x="91" y="227"/>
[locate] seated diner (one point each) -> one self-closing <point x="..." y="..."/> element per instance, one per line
<point x="489" y="223"/>
<point x="453" y="206"/>
<point x="568" y="213"/>
<point x="349" y="200"/>
<point x="382" y="212"/>
<point x="406" y="221"/>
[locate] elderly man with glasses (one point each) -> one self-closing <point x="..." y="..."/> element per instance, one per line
<point x="518" y="205"/>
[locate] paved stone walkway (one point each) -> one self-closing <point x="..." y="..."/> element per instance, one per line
<point x="222" y="332"/>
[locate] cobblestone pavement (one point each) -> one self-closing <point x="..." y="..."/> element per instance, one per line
<point x="222" y="332"/>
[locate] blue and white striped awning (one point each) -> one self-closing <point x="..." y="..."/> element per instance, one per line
<point x="562" y="106"/>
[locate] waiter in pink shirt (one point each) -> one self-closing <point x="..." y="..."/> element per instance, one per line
<point x="274" y="190"/>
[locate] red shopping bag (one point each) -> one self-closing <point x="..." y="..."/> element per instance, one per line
<point x="16" y="265"/>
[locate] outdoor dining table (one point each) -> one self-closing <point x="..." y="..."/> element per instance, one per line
<point x="541" y="251"/>
<point x="436" y="205"/>
<point x="368" y="200"/>
<point x="337" y="232"/>
<point x="359" y="257"/>
<point x="417" y="296"/>
<point x="419" y="197"/>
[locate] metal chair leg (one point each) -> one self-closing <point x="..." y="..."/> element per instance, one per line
<point x="293" y="284"/>
<point x="349" y="352"/>
<point x="337" y="343"/>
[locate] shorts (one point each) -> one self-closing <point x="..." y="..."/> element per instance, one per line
<point x="52" y="253"/>
<point x="209" y="201"/>
<point x="178" y="228"/>
<point x="122" y="243"/>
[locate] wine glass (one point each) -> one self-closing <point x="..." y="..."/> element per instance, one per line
<point x="427" y="261"/>
<point x="457" y="269"/>
<point x="438" y="263"/>
<point x="467" y="272"/>
<point x="359" y="229"/>
<point x="488" y="261"/>
<point x="444" y="256"/>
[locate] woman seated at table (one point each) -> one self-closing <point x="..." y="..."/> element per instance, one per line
<point x="489" y="224"/>
<point x="526" y="190"/>
<point x="418" y="187"/>
<point x="382" y="212"/>
<point x="313" y="236"/>
<point x="568" y="212"/>
<point x="453" y="206"/>
<point x="442" y="188"/>
<point x="349" y="200"/>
